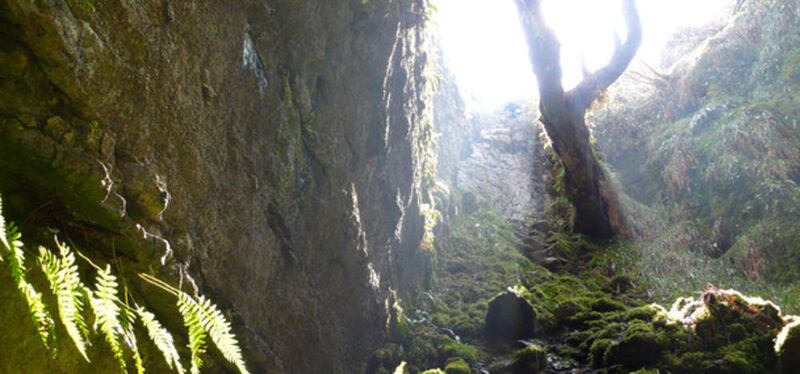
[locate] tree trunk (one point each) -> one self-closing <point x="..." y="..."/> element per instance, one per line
<point x="598" y="212"/>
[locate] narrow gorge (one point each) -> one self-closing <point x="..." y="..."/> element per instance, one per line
<point x="282" y="186"/>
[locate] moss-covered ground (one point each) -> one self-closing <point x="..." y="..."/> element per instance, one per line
<point x="592" y="315"/>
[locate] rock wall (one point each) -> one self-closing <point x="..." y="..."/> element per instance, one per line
<point x="271" y="152"/>
<point x="492" y="159"/>
<point x="506" y="168"/>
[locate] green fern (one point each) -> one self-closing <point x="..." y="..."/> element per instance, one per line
<point x="3" y="236"/>
<point x="161" y="338"/>
<point x="202" y="314"/>
<point x="112" y="318"/>
<point x="127" y="320"/>
<point x="192" y="319"/>
<point x="62" y="274"/>
<point x="16" y="262"/>
<point x="105" y="304"/>
<point x="203" y="319"/>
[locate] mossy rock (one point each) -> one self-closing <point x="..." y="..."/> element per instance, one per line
<point x="564" y="311"/>
<point x="607" y="305"/>
<point x="457" y="366"/>
<point x="450" y="349"/>
<point x="598" y="350"/>
<point x="385" y="358"/>
<point x="465" y="325"/>
<point x="510" y="318"/>
<point x="531" y="359"/>
<point x="644" y="313"/>
<point x="641" y="346"/>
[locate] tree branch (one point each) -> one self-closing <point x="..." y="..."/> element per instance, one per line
<point x="592" y="86"/>
<point x="544" y="52"/>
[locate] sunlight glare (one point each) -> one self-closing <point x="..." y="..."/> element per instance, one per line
<point x="484" y="45"/>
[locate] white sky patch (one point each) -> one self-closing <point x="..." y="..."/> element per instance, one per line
<point x="484" y="44"/>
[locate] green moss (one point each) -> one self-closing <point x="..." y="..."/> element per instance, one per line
<point x="646" y="371"/>
<point x="644" y="313"/>
<point x="452" y="349"/>
<point x="531" y="359"/>
<point x="640" y="346"/>
<point x="745" y="357"/>
<point x="594" y="315"/>
<point x="469" y="326"/>
<point x="598" y="350"/>
<point x="606" y="305"/>
<point x="619" y="283"/>
<point x="457" y="366"/>
<point x="692" y="362"/>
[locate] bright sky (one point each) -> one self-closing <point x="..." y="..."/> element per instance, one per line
<point x="485" y="47"/>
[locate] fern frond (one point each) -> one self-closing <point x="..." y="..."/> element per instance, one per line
<point x="127" y="318"/>
<point x="62" y="274"/>
<point x="3" y="235"/>
<point x="16" y="262"/>
<point x="203" y="319"/>
<point x="161" y="338"/>
<point x="105" y="303"/>
<point x="204" y="313"/>
<point x="193" y="320"/>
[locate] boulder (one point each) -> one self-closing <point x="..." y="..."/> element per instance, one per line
<point x="531" y="359"/>
<point x="509" y="319"/>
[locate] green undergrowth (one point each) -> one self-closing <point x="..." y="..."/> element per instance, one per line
<point x="595" y="313"/>
<point x="106" y="311"/>
<point x="665" y="271"/>
<point x="478" y="256"/>
<point x="712" y="150"/>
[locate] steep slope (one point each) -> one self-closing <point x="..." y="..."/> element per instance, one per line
<point x="710" y="146"/>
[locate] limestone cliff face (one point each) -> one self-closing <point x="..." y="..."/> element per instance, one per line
<point x="495" y="159"/>
<point x="507" y="167"/>
<point x="277" y="148"/>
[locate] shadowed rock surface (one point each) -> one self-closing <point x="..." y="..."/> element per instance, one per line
<point x="509" y="318"/>
<point x="277" y="146"/>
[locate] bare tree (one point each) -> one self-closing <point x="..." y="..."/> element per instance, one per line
<point x="598" y="212"/>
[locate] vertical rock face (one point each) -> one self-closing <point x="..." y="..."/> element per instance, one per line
<point x="497" y="158"/>
<point x="506" y="166"/>
<point x="278" y="146"/>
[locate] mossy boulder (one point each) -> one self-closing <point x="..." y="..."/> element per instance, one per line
<point x="640" y="346"/>
<point x="720" y="331"/>
<point x="385" y="358"/>
<point x="450" y="349"/>
<point x="531" y="359"/>
<point x="457" y="366"/>
<point x="510" y="318"/>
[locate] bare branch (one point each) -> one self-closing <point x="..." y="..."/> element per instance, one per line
<point x="544" y="51"/>
<point x="590" y="88"/>
<point x="655" y="72"/>
<point x="649" y="76"/>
